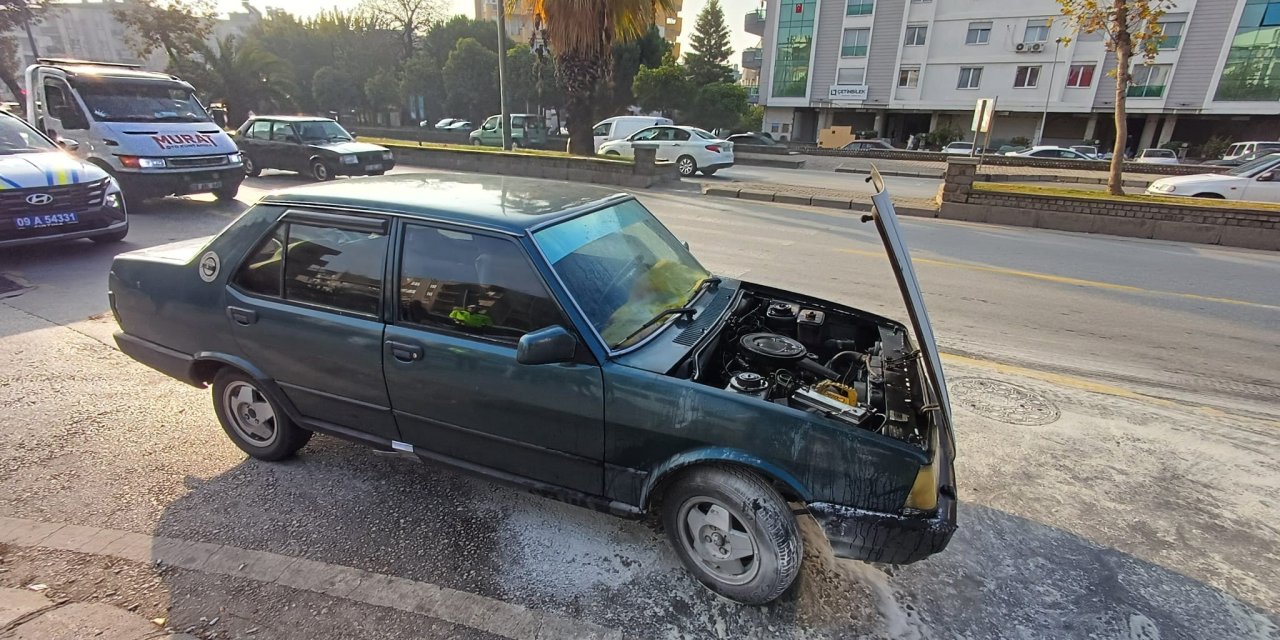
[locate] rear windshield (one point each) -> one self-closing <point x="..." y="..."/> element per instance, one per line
<point x="113" y="100"/>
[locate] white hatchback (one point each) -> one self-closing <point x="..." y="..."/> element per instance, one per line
<point x="691" y="148"/>
<point x="1258" y="181"/>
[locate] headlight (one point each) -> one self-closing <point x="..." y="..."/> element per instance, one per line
<point x="1163" y="188"/>
<point x="387" y="155"/>
<point x="113" y="200"/>
<point x="350" y="160"/>
<point x="234" y="158"/>
<point x="134" y="162"/>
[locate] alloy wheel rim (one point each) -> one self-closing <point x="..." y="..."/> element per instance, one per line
<point x="251" y="414"/>
<point x="716" y="538"/>
<point x="322" y="172"/>
<point x="686" y="166"/>
<point x="248" y="165"/>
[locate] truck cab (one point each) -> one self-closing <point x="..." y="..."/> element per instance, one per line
<point x="148" y="130"/>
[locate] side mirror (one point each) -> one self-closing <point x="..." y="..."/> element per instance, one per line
<point x="548" y="345"/>
<point x="68" y="144"/>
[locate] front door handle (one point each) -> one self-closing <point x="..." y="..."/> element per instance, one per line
<point x="405" y="352"/>
<point x="241" y="316"/>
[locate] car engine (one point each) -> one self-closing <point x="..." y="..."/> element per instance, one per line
<point x="842" y="366"/>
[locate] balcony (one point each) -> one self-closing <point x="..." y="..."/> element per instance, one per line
<point x="1145" y="91"/>
<point x="754" y="22"/>
<point x="752" y="57"/>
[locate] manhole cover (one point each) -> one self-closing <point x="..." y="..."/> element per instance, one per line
<point x="1003" y="401"/>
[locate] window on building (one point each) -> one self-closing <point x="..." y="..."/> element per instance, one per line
<point x="909" y="77"/>
<point x="1172" y="29"/>
<point x="979" y="33"/>
<point x="916" y="34"/>
<point x="970" y="78"/>
<point x="1037" y="30"/>
<point x="1080" y="75"/>
<point x="472" y="284"/>
<point x="795" y="44"/>
<point x="1149" y="81"/>
<point x="855" y="43"/>
<point x="1026" y="77"/>
<point x="851" y="75"/>
<point x="921" y="1"/>
<point x="859" y="7"/>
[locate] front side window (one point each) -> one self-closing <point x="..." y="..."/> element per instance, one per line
<point x="622" y="267"/>
<point x="652" y="133"/>
<point x="909" y="77"/>
<point x="979" y="33"/>
<point x="319" y="265"/>
<point x="855" y="43"/>
<point x="1026" y="77"/>
<point x="1080" y="75"/>
<point x="283" y="132"/>
<point x="916" y="34"/>
<point x="259" y="130"/>
<point x="1149" y="81"/>
<point x="851" y="75"/>
<point x="17" y="137"/>
<point x="859" y="7"/>
<point x="474" y="284"/>
<point x="602" y="130"/>
<point x="1037" y="31"/>
<point x="970" y="78"/>
<point x="140" y="101"/>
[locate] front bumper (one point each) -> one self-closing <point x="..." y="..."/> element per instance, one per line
<point x="92" y="222"/>
<point x="166" y="183"/>
<point x="858" y="534"/>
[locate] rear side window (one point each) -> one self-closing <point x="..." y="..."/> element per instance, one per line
<point x="313" y="264"/>
<point x="472" y="284"/>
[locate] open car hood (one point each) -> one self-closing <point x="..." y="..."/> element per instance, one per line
<point x="887" y="223"/>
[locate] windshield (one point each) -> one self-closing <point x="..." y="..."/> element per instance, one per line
<point x="321" y="131"/>
<point x="17" y="137"/>
<point x="116" y="101"/>
<point x="622" y="267"/>
<point x="1248" y="169"/>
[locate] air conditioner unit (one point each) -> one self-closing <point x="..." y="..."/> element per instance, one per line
<point x="1022" y="46"/>
<point x="1037" y="47"/>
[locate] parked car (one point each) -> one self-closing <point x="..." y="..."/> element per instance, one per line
<point x="319" y="147"/>
<point x="445" y="123"/>
<point x="527" y="130"/>
<point x="46" y="194"/>
<point x="1158" y="156"/>
<point x="869" y="145"/>
<point x="1257" y="181"/>
<point x="1087" y="150"/>
<point x="1240" y="149"/>
<point x="1059" y="153"/>
<point x="961" y="148"/>
<point x="559" y="337"/>
<point x="1006" y="149"/>
<point x="1260" y="152"/>
<point x="620" y="127"/>
<point x="691" y="148"/>
<point x="754" y="138"/>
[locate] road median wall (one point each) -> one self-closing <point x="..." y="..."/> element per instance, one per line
<point x="643" y="173"/>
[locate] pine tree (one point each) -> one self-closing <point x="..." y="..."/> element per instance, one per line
<point x="708" y="59"/>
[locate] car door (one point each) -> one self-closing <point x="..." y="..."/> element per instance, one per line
<point x="464" y="298"/>
<point x="287" y="148"/>
<point x="490" y="133"/>
<point x="677" y="143"/>
<point x="256" y="142"/>
<point x="1264" y="187"/>
<point x="304" y="308"/>
<point x="601" y="133"/>
<point x="652" y="134"/>
<point x="63" y="116"/>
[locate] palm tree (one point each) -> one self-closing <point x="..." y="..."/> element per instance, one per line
<point x="245" y="77"/>
<point x="581" y="33"/>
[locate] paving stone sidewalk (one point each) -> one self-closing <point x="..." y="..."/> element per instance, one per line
<point x="25" y="614"/>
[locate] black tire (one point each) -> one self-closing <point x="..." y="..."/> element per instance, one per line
<point x="687" y="166"/>
<point x="774" y="536"/>
<point x="251" y="168"/>
<point x="227" y="193"/>
<point x="114" y="236"/>
<point x="320" y="171"/>
<point x="709" y="172"/>
<point x="240" y="416"/>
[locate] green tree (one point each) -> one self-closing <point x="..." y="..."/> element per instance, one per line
<point x="1128" y="27"/>
<point x="177" y="27"/>
<point x="409" y="18"/>
<point x="16" y="15"/>
<point x="719" y="105"/>
<point x="422" y="77"/>
<point x="582" y="33"/>
<point x="335" y="90"/>
<point x="709" y="48"/>
<point x="471" y="80"/>
<point x="753" y="119"/>
<point x="442" y="38"/>
<point x="522" y="79"/>
<point x="382" y="90"/>
<point x="666" y="88"/>
<point x="245" y="77"/>
<point x="616" y="95"/>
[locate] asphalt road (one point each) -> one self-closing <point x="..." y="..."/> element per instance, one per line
<point x="1117" y="405"/>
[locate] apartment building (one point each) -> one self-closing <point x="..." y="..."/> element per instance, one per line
<point x="904" y="67"/>
<point x="520" y="21"/>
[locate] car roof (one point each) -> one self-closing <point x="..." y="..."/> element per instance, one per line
<point x="501" y="203"/>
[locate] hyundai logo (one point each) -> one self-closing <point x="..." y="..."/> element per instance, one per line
<point x="38" y="199"/>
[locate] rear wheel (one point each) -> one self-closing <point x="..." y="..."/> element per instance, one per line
<point x="733" y="532"/>
<point x="252" y="420"/>
<point x="686" y="165"/>
<point x="320" y="171"/>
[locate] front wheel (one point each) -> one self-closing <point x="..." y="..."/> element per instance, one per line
<point x="320" y="171"/>
<point x="734" y="533"/>
<point x="686" y="165"/>
<point x="252" y="420"/>
<point x="227" y="193"/>
<point x="251" y="168"/>
<point x="475" y="142"/>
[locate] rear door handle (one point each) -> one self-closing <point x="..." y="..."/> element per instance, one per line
<point x="405" y="352"/>
<point x="241" y="316"/>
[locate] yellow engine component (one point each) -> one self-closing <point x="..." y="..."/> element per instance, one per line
<point x="836" y="391"/>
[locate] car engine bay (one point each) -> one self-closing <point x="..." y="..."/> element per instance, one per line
<point x="829" y="362"/>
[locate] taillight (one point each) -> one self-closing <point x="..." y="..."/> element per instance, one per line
<point x="713" y="148"/>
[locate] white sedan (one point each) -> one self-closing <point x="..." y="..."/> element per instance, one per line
<point x="1058" y="153"/>
<point x="691" y="148"/>
<point x="1258" y="181"/>
<point x="1158" y="156"/>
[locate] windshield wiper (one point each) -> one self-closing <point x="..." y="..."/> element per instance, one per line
<point x="683" y="311"/>
<point x="709" y="281"/>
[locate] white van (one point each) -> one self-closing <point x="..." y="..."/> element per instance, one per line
<point x="1245" y="148"/>
<point x="619" y="127"/>
<point x="146" y="129"/>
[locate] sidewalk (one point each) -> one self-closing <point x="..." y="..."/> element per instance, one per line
<point x="27" y="615"/>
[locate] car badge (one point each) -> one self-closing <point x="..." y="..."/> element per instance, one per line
<point x="39" y="199"/>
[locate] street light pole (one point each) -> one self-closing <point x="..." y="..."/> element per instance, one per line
<point x="1044" y="115"/>
<point x="504" y="120"/>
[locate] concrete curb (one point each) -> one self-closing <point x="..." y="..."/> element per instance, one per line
<point x="825" y="202"/>
<point x="892" y="173"/>
<point x="27" y="615"/>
